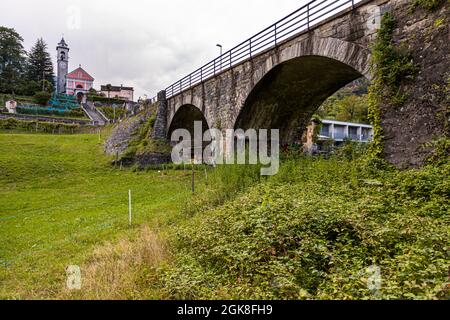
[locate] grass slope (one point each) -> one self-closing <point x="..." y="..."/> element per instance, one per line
<point x="59" y="198"/>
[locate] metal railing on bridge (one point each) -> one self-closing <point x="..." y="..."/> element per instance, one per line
<point x="300" y="20"/>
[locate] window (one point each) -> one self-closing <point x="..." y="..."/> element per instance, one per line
<point x="325" y="130"/>
<point x="339" y="132"/>
<point x="353" y="132"/>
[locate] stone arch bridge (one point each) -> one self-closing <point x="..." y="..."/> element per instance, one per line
<point x="278" y="78"/>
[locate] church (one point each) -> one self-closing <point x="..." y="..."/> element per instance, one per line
<point x="78" y="82"/>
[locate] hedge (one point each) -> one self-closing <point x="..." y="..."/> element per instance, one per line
<point x="38" y="126"/>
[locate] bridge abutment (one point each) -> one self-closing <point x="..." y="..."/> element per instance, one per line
<point x="160" y="126"/>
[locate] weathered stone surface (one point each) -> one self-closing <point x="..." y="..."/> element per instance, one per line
<point x="121" y="134"/>
<point x="282" y="87"/>
<point x="425" y="113"/>
<point x="341" y="42"/>
<point x="160" y="128"/>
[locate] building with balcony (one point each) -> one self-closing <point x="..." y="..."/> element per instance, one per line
<point x="334" y="133"/>
<point x="118" y="92"/>
<point x="345" y="131"/>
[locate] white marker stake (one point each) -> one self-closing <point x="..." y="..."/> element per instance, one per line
<point x="129" y="204"/>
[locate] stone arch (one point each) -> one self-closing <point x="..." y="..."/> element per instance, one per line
<point x="289" y="88"/>
<point x="184" y="118"/>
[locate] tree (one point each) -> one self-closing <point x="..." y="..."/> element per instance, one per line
<point x="353" y="109"/>
<point x="39" y="64"/>
<point x="29" y="88"/>
<point x="12" y="60"/>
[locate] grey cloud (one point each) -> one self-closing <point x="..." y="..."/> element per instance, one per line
<point x="145" y="44"/>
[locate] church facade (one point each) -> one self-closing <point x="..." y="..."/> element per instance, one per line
<point x="77" y="82"/>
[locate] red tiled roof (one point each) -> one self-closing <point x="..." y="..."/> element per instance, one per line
<point x="79" y="74"/>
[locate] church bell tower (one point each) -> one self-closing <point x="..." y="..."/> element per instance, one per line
<point x="63" y="65"/>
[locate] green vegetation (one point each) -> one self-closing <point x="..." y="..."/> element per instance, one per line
<point x="39" y="66"/>
<point x="60" y="198"/>
<point x="104" y="100"/>
<point x="113" y="112"/>
<point x="46" y="111"/>
<point x="42" y="98"/>
<point x="314" y="231"/>
<point x="390" y="68"/>
<point x="428" y="4"/>
<point x="21" y="72"/>
<point x="38" y="126"/>
<point x="141" y="141"/>
<point x="348" y="104"/>
<point x="18" y="98"/>
<point x="12" y="60"/>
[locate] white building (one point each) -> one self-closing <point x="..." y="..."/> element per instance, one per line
<point x="342" y="131"/>
<point x="11" y="106"/>
<point x="118" y="92"/>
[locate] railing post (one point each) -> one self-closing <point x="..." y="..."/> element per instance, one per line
<point x="181" y="85"/>
<point x="353" y="4"/>
<point x="231" y="58"/>
<point x="307" y="15"/>
<point x="190" y="80"/>
<point x="201" y="74"/>
<point x="251" y="48"/>
<point x="214" y="66"/>
<point x="275" y="26"/>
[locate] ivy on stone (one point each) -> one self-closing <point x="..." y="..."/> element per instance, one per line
<point x="390" y="68"/>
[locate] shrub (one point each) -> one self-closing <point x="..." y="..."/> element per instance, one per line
<point x="318" y="230"/>
<point x="42" y="98"/>
<point x="37" y="126"/>
<point x="428" y="4"/>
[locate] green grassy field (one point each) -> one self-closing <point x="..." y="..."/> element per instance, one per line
<point x="60" y="198"/>
<point x="309" y="232"/>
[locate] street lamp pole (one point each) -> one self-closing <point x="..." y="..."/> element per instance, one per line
<point x="221" y="48"/>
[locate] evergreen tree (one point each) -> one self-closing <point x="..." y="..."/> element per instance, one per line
<point x="40" y="64"/>
<point x="12" y="60"/>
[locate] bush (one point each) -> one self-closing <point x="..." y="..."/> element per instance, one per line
<point x="428" y="4"/>
<point x="38" y="126"/>
<point x="42" y="98"/>
<point x="109" y="112"/>
<point x="37" y="110"/>
<point x="319" y="230"/>
<point x="106" y="100"/>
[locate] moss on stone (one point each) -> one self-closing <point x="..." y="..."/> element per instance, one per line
<point x="428" y="4"/>
<point x="390" y="68"/>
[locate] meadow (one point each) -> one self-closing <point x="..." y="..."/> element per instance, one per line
<point x="60" y="197"/>
<point x="346" y="227"/>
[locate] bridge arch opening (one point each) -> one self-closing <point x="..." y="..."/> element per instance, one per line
<point x="185" y="118"/>
<point x="287" y="97"/>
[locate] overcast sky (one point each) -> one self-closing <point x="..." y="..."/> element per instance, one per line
<point x="147" y="44"/>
